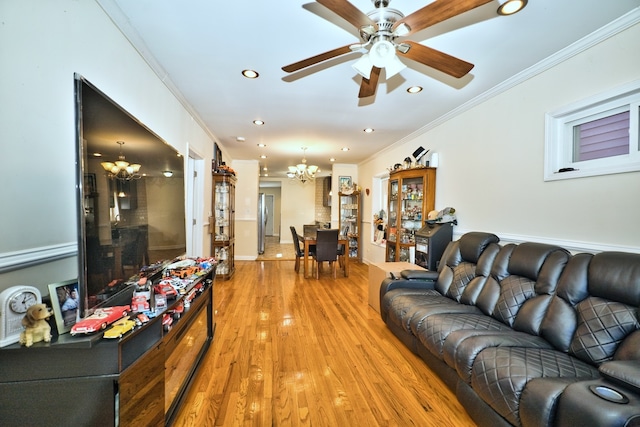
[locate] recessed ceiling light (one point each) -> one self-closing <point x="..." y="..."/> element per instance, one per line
<point x="345" y="148"/>
<point x="414" y="89"/>
<point x="368" y="130"/>
<point x="261" y="145"/>
<point x="240" y="138"/>
<point x="250" y="74"/>
<point x="263" y="157"/>
<point x="265" y="168"/>
<point x="97" y="154"/>
<point x="509" y="7"/>
<point x="332" y="159"/>
<point x="258" y="122"/>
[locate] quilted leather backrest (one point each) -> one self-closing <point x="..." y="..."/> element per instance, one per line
<point x="534" y="270"/>
<point x="602" y="326"/>
<point x="560" y="320"/>
<point x="467" y="260"/>
<point x="616" y="276"/>
<point x="610" y="313"/>
<point x="473" y="244"/>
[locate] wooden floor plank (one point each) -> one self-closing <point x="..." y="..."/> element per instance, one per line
<point x="290" y="351"/>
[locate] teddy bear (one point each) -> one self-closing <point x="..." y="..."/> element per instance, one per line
<point x="36" y="328"/>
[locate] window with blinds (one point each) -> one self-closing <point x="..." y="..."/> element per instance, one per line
<point x="595" y="136"/>
<point x="605" y="137"/>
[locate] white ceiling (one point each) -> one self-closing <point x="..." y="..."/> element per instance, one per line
<point x="200" y="47"/>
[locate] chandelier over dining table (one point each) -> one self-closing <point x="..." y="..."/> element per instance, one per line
<point x="121" y="169"/>
<point x="301" y="171"/>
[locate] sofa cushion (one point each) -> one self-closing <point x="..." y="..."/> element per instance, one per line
<point x="500" y="374"/>
<point x="602" y="326"/>
<point x="435" y="329"/>
<point x="407" y="308"/>
<point x="462" y="347"/>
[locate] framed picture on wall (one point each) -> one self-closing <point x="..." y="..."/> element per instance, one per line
<point x="90" y="183"/>
<point x="345" y="183"/>
<point x="65" y="301"/>
<point x="217" y="157"/>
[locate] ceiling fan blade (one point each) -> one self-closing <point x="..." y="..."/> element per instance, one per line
<point x="316" y="59"/>
<point x="435" y="59"/>
<point x="368" y="86"/>
<point x="436" y="12"/>
<point x="348" y="12"/>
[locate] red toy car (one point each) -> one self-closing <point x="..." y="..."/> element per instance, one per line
<point x="167" y="321"/>
<point x="139" y="303"/>
<point x="165" y="289"/>
<point x="100" y="319"/>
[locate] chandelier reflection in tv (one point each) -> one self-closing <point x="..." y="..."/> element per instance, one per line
<point x="301" y="171"/>
<point x="121" y="169"/>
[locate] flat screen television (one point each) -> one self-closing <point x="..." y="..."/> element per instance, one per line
<point x="129" y="216"/>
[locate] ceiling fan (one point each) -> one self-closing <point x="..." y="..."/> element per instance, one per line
<point x="379" y="30"/>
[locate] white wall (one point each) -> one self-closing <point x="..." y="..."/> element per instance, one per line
<point x="246" y="225"/>
<point x="491" y="160"/>
<point x="297" y="207"/>
<point x="42" y="45"/>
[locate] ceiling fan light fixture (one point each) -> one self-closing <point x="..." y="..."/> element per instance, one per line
<point x="509" y="7"/>
<point x="363" y="66"/>
<point x="394" y="67"/>
<point x="382" y="53"/>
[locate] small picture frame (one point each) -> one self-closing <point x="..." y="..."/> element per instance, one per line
<point x="345" y="183"/>
<point x="90" y="183"/>
<point x="65" y="301"/>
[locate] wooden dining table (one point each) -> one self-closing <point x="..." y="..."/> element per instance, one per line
<point x="309" y="239"/>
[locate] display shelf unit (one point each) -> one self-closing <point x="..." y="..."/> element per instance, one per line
<point x="412" y="194"/>
<point x="351" y="221"/>
<point x="137" y="380"/>
<point x="221" y="225"/>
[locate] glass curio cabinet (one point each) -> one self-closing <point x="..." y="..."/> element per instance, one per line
<point x="350" y="222"/>
<point x="412" y="194"/>
<point x="221" y="224"/>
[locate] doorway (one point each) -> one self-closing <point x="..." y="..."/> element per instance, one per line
<point x="272" y="191"/>
<point x="268" y="201"/>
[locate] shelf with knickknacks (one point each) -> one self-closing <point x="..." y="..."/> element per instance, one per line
<point x="411" y="197"/>
<point x="351" y="218"/>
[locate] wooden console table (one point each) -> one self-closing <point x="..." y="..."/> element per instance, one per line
<point x="138" y="380"/>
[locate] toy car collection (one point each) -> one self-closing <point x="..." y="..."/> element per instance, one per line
<point x="119" y="328"/>
<point x="100" y="319"/>
<point x="151" y="296"/>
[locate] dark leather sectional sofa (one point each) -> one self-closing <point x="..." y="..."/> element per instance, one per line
<point x="528" y="334"/>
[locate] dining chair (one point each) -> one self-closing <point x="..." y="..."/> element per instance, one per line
<point x="326" y="250"/>
<point x="296" y="246"/>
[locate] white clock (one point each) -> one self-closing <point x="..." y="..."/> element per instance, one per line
<point x="14" y="303"/>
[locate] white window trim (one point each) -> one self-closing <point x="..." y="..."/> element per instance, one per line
<point x="558" y="149"/>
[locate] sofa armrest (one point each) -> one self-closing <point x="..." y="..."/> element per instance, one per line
<point x="389" y="284"/>
<point x="427" y="275"/>
<point x="625" y="373"/>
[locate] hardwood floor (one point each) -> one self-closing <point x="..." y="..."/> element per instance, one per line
<point x="290" y="351"/>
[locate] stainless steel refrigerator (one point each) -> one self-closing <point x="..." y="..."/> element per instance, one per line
<point x="262" y="222"/>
